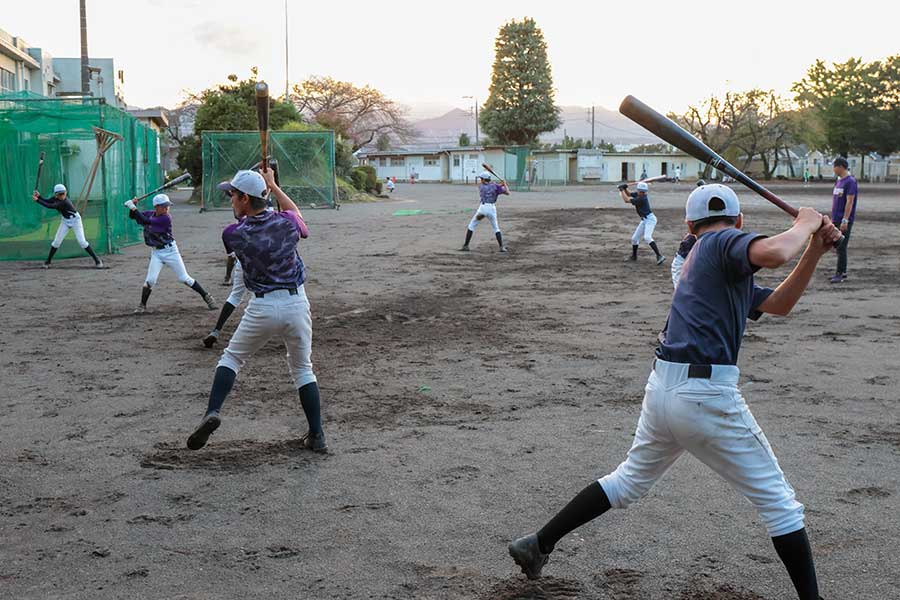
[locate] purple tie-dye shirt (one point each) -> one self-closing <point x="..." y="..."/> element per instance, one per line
<point x="266" y="245"/>
<point x="157" y="229"/>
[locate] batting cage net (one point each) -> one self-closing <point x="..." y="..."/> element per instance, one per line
<point x="102" y="155"/>
<point x="305" y="161"/>
<point x="516" y="160"/>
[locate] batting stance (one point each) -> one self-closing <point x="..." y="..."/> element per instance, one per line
<point x="489" y="193"/>
<point x="70" y="219"/>
<point x="692" y="402"/>
<point x="641" y="202"/>
<point x="157" y="226"/>
<point x="265" y="243"/>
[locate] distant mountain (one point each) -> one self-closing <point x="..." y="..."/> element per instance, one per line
<point x="609" y="126"/>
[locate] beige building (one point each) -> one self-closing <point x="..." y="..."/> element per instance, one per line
<point x="23" y="68"/>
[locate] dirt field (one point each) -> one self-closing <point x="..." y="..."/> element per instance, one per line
<point x="466" y="398"/>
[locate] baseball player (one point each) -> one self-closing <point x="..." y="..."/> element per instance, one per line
<point x="265" y="243"/>
<point x="489" y="192"/>
<point x="844" y="200"/>
<point x="389" y="183"/>
<point x="692" y="402"/>
<point x="70" y="219"/>
<point x="641" y="201"/>
<point x="157" y="226"/>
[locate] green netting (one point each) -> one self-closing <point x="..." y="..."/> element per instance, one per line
<point x="515" y="167"/>
<point x="63" y="130"/>
<point x="305" y="163"/>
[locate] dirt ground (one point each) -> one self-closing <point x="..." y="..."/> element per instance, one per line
<point x="466" y="398"/>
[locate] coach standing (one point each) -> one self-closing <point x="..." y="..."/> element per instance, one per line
<point x="843" y="212"/>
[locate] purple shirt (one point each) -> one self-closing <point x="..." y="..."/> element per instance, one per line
<point x="684" y="248"/>
<point x="714" y="298"/>
<point x="845" y="186"/>
<point x="157" y="229"/>
<point x="266" y="245"/>
<point x="490" y="191"/>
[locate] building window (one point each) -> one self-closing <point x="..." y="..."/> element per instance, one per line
<point x="397" y="161"/>
<point x="473" y="157"/>
<point x="382" y="161"/>
<point x="456" y="160"/>
<point x="7" y="80"/>
<point x="26" y="85"/>
<point x="431" y="161"/>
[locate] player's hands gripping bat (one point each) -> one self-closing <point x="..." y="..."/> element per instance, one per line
<point x="262" y="115"/>
<point x="163" y="187"/>
<point x="488" y="168"/>
<point x="669" y="131"/>
<point x="37" y="180"/>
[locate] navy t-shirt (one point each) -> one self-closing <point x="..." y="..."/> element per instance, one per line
<point x="641" y="204"/>
<point x="714" y="298"/>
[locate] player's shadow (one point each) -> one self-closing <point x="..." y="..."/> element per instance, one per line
<point x="228" y="455"/>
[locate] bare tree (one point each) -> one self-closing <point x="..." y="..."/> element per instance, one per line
<point x="360" y="114"/>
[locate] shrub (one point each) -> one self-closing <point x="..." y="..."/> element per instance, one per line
<point x="358" y="177"/>
<point x="371" y="177"/>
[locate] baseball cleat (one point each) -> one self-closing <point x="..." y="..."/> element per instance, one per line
<point x="837" y="279"/>
<point x="631" y="259"/>
<point x="527" y="554"/>
<point x="210" y="302"/>
<point x="463" y="249"/>
<point x="226" y="282"/>
<point x="201" y="435"/>
<point x="210" y="340"/>
<point x="140" y="310"/>
<point x="660" y="259"/>
<point x="46" y="265"/>
<point x="314" y="442"/>
<point x="99" y="265"/>
<point x="504" y="249"/>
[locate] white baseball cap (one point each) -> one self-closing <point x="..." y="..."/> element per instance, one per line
<point x="642" y="186"/>
<point x="59" y="189"/>
<point x="161" y="200"/>
<point x="248" y="182"/>
<point x="697" y="206"/>
<point x="485" y="175"/>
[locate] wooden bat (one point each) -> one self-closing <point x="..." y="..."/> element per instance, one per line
<point x="166" y="186"/>
<point x="262" y="114"/>
<point x="488" y="168"/>
<point x="650" y="179"/>
<point x="37" y="181"/>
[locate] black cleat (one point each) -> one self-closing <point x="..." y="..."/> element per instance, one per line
<point x="210" y="340"/>
<point x="314" y="442"/>
<point x="660" y="259"/>
<point x="527" y="554"/>
<point x="201" y="435"/>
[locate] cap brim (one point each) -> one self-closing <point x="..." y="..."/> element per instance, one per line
<point x="226" y="186"/>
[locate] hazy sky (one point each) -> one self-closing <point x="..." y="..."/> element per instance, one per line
<point x="430" y="54"/>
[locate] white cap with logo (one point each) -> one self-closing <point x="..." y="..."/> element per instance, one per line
<point x="248" y="182"/>
<point x="697" y="207"/>
<point x="161" y="200"/>
<point x="642" y="186"/>
<point x="485" y="176"/>
<point x="59" y="189"/>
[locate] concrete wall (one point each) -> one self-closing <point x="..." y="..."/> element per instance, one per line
<point x="69" y="71"/>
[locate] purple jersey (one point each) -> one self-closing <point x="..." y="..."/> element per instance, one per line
<point x="266" y="245"/>
<point x="490" y="191"/>
<point x="845" y="186"/>
<point x="157" y="229"/>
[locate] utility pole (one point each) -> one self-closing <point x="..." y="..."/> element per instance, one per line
<point x="475" y="100"/>
<point x="85" y="73"/>
<point x="286" y="78"/>
<point x="592" y="127"/>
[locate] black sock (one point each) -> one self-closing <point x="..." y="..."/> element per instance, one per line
<point x="468" y="237"/>
<point x="499" y="238"/>
<point x="145" y="294"/>
<point x="655" y="248"/>
<point x="50" y="256"/>
<point x="634" y="248"/>
<point x="222" y="384"/>
<point x="226" y="311"/>
<point x="90" y="251"/>
<point x="794" y="551"/>
<point x="309" y="399"/>
<point x="198" y="288"/>
<point x="590" y="503"/>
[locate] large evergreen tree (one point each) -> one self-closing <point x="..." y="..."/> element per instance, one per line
<point x="521" y="103"/>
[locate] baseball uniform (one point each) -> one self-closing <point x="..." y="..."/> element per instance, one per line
<point x="641" y="202"/>
<point x="488" y="193"/>
<point x="70" y="219"/>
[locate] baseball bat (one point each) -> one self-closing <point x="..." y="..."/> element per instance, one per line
<point x="37" y="181"/>
<point x="166" y="186"/>
<point x="262" y="114"/>
<point x="669" y="131"/>
<point x="650" y="179"/>
<point x="488" y="168"/>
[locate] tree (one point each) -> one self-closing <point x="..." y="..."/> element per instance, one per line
<point x="383" y="142"/>
<point x="464" y="140"/>
<point x="521" y="101"/>
<point x="228" y="107"/>
<point x="360" y="114"/>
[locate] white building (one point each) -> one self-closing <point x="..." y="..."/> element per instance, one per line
<point x="23" y="68"/>
<point x="106" y="81"/>
<point x="595" y="166"/>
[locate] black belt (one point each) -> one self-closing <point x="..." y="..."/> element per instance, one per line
<point x="291" y="291"/>
<point x="163" y="246"/>
<point x="697" y="371"/>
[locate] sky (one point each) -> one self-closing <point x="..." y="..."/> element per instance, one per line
<point x="428" y="55"/>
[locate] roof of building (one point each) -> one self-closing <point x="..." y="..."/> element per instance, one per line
<point x="157" y="115"/>
<point x="10" y="47"/>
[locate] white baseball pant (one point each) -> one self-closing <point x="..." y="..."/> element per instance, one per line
<point x="238" y="287"/>
<point x="65" y="225"/>
<point x="489" y="211"/>
<point x="169" y="257"/>
<point x="677" y="262"/>
<point x="709" y="419"/>
<point x="277" y="314"/>
<point x="644" y="230"/>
